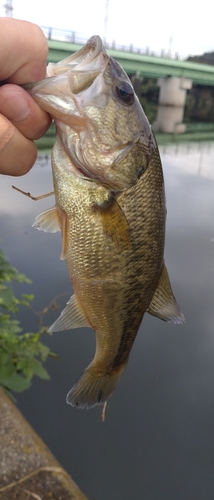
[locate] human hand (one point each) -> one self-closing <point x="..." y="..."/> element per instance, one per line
<point x="23" y="53"/>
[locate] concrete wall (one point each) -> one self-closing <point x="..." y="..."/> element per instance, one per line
<point x="27" y="467"/>
<point x="172" y="98"/>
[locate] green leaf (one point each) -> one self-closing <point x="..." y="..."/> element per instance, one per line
<point x="21" y="354"/>
<point x="39" y="370"/>
<point x="7" y="367"/>
<point x="9" y="273"/>
<point x="15" y="382"/>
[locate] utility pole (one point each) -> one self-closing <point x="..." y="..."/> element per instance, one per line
<point x="106" y="20"/>
<point x="8" y="8"/>
<point x="170" y="44"/>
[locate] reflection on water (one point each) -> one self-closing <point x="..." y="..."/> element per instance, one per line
<point x="157" y="441"/>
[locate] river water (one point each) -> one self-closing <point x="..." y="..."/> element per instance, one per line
<point x="158" y="438"/>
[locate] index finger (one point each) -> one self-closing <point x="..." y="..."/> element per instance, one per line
<point x="23" y="51"/>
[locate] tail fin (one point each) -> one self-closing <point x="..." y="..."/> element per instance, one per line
<point x="92" y="389"/>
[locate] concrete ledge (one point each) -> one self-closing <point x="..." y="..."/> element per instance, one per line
<point x="28" y="470"/>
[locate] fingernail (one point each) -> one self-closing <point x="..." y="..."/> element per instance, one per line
<point x="15" y="106"/>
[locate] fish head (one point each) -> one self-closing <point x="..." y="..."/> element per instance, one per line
<point x="98" y="117"/>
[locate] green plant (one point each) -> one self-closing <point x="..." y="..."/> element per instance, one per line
<point x="21" y="354"/>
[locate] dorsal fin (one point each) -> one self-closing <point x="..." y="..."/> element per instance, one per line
<point x="163" y="304"/>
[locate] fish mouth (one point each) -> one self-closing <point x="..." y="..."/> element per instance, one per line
<point x="83" y="60"/>
<point x="83" y="66"/>
<point x="56" y="93"/>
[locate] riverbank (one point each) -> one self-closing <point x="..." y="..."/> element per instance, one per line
<point x="28" y="469"/>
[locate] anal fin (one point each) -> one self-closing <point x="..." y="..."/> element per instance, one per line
<point x="163" y="304"/>
<point x="70" y="317"/>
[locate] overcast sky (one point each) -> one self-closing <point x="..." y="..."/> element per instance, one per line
<point x="184" y="25"/>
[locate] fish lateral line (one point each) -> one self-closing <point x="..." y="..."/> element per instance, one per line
<point x="34" y="198"/>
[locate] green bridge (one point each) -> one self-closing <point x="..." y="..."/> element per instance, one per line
<point x="141" y="64"/>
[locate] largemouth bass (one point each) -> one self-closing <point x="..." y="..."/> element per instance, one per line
<point x="110" y="208"/>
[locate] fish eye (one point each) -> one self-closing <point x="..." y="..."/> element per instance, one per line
<point x="125" y="92"/>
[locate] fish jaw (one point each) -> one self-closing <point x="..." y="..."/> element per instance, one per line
<point x="83" y="60"/>
<point x="55" y="94"/>
<point x="98" y="117"/>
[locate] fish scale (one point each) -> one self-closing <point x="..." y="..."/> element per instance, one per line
<point x="110" y="208"/>
<point x="126" y="278"/>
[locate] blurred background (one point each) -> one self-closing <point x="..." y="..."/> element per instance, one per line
<point x="157" y="441"/>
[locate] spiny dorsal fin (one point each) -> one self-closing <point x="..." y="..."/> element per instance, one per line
<point x="70" y="317"/>
<point x="163" y="304"/>
<point x="48" y="221"/>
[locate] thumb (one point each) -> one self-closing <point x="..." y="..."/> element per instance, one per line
<point x="17" y="154"/>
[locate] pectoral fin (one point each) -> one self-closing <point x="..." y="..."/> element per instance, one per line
<point x="48" y="221"/>
<point x="51" y="221"/>
<point x="70" y="317"/>
<point x="163" y="304"/>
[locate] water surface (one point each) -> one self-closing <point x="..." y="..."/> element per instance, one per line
<point x="158" y="438"/>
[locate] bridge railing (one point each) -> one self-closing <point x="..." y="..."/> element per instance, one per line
<point x="79" y="38"/>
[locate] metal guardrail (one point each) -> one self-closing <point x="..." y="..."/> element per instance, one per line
<point x="80" y="39"/>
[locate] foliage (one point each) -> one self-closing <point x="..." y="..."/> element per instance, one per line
<point x="200" y="98"/>
<point x="200" y="104"/>
<point x="21" y="354"/>
<point x="206" y="58"/>
<point x="147" y="91"/>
